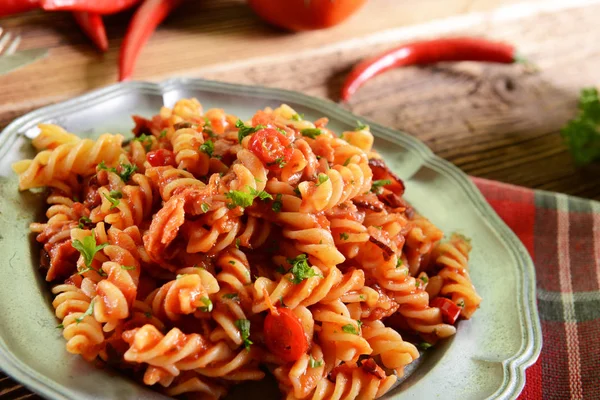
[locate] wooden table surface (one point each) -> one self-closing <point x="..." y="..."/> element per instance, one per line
<point x="496" y="122"/>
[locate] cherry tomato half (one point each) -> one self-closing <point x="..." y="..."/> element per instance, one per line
<point x="161" y="158"/>
<point x="284" y="335"/>
<point x="270" y="146"/>
<point x="450" y="311"/>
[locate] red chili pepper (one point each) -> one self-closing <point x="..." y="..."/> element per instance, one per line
<point x="9" y="7"/>
<point x="93" y="27"/>
<point x="145" y="20"/>
<point x="450" y="311"/>
<point x="284" y="334"/>
<point x="428" y="52"/>
<point x="93" y="6"/>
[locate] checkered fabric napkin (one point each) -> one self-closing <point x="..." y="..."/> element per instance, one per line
<point x="562" y="235"/>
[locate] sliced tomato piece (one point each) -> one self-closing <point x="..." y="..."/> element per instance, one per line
<point x="284" y="335"/>
<point x="450" y="311"/>
<point x="271" y="147"/>
<point x="161" y="158"/>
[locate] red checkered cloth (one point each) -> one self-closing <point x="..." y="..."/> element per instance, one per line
<point x="562" y="235"/>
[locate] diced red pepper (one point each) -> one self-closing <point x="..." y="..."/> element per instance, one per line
<point x="161" y="158"/>
<point x="450" y="311"/>
<point x="271" y="147"/>
<point x="284" y="334"/>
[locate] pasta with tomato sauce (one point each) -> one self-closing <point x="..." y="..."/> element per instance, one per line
<point x="208" y="250"/>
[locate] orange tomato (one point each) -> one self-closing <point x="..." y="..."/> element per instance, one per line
<point x="305" y="15"/>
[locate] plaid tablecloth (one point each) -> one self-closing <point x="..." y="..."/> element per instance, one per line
<point x="562" y="234"/>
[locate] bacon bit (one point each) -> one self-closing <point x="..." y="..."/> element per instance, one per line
<point x="370" y="366"/>
<point x="143" y="126"/>
<point x="346" y="210"/>
<point x="63" y="260"/>
<point x="340" y="369"/>
<point x="381" y="171"/>
<point x="322" y="122"/>
<point x="381" y="240"/>
<point x="369" y="201"/>
<point x="164" y="228"/>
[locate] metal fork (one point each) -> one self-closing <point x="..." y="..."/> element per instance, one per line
<point x="8" y="42"/>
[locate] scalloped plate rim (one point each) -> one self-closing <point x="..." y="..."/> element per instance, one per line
<point x="513" y="368"/>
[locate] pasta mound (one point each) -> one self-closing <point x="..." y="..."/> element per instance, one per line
<point x="208" y="250"/>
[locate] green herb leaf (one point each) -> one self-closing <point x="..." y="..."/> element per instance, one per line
<point x="424" y="279"/>
<point x="300" y="269"/>
<point x="208" y="147"/>
<point x="88" y="249"/>
<point x="244" y="326"/>
<point x="83" y="221"/>
<point x="347" y="161"/>
<point x="376" y="187"/>
<point x="277" y="204"/>
<point x="148" y="314"/>
<point x="163" y="134"/>
<point x="461" y="304"/>
<point x="127" y="171"/>
<point x="205" y="207"/>
<point x="231" y="296"/>
<point x="60" y="326"/>
<point x="239" y="198"/>
<point x="128" y="267"/>
<point x="399" y="262"/>
<point x="311" y="132"/>
<point x="244" y="130"/>
<point x="113" y="201"/>
<point x="344" y="236"/>
<point x="238" y="242"/>
<point x="208" y="305"/>
<point x="312" y="363"/>
<point x="180" y="276"/>
<point x="282" y="131"/>
<point x="322" y="179"/>
<point x="361" y="126"/>
<point x="145" y="140"/>
<point x="297" y="191"/>
<point x="261" y="195"/>
<point x="582" y="134"/>
<point x="297" y="117"/>
<point x="350" y="329"/>
<point x="87" y="312"/>
<point x="360" y="323"/>
<point x="424" y="345"/>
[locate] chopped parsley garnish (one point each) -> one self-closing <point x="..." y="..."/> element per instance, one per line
<point x="424" y="279"/>
<point x="243" y="199"/>
<point x="347" y="161"/>
<point x="282" y="131"/>
<point x="244" y="130"/>
<point x="424" y="345"/>
<point x="582" y="134"/>
<point x="344" y="236"/>
<point x="244" y="326"/>
<point x="88" y="249"/>
<point x="87" y="312"/>
<point x="204" y="207"/>
<point x="399" y="262"/>
<point x="312" y="363"/>
<point x="300" y="269"/>
<point x="297" y="117"/>
<point x="297" y="191"/>
<point x="148" y="314"/>
<point x="180" y="276"/>
<point x="128" y="267"/>
<point x="377" y="186"/>
<point x="311" y="132"/>
<point x="277" y="204"/>
<point x="60" y="326"/>
<point x="163" y="133"/>
<point x="231" y="296"/>
<point x="461" y="304"/>
<point x="83" y="221"/>
<point x="238" y="242"/>
<point x="350" y="329"/>
<point x="113" y="197"/>
<point x="208" y="305"/>
<point x="127" y="170"/>
<point x="361" y="126"/>
<point x="145" y="140"/>
<point x="208" y="147"/>
<point x="322" y="179"/>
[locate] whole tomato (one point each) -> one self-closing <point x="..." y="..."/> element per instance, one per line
<point x="305" y="15"/>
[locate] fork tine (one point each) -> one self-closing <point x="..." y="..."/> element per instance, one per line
<point x="12" y="47"/>
<point x="4" y="41"/>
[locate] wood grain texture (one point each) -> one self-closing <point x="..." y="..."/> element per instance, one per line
<point x="497" y="122"/>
